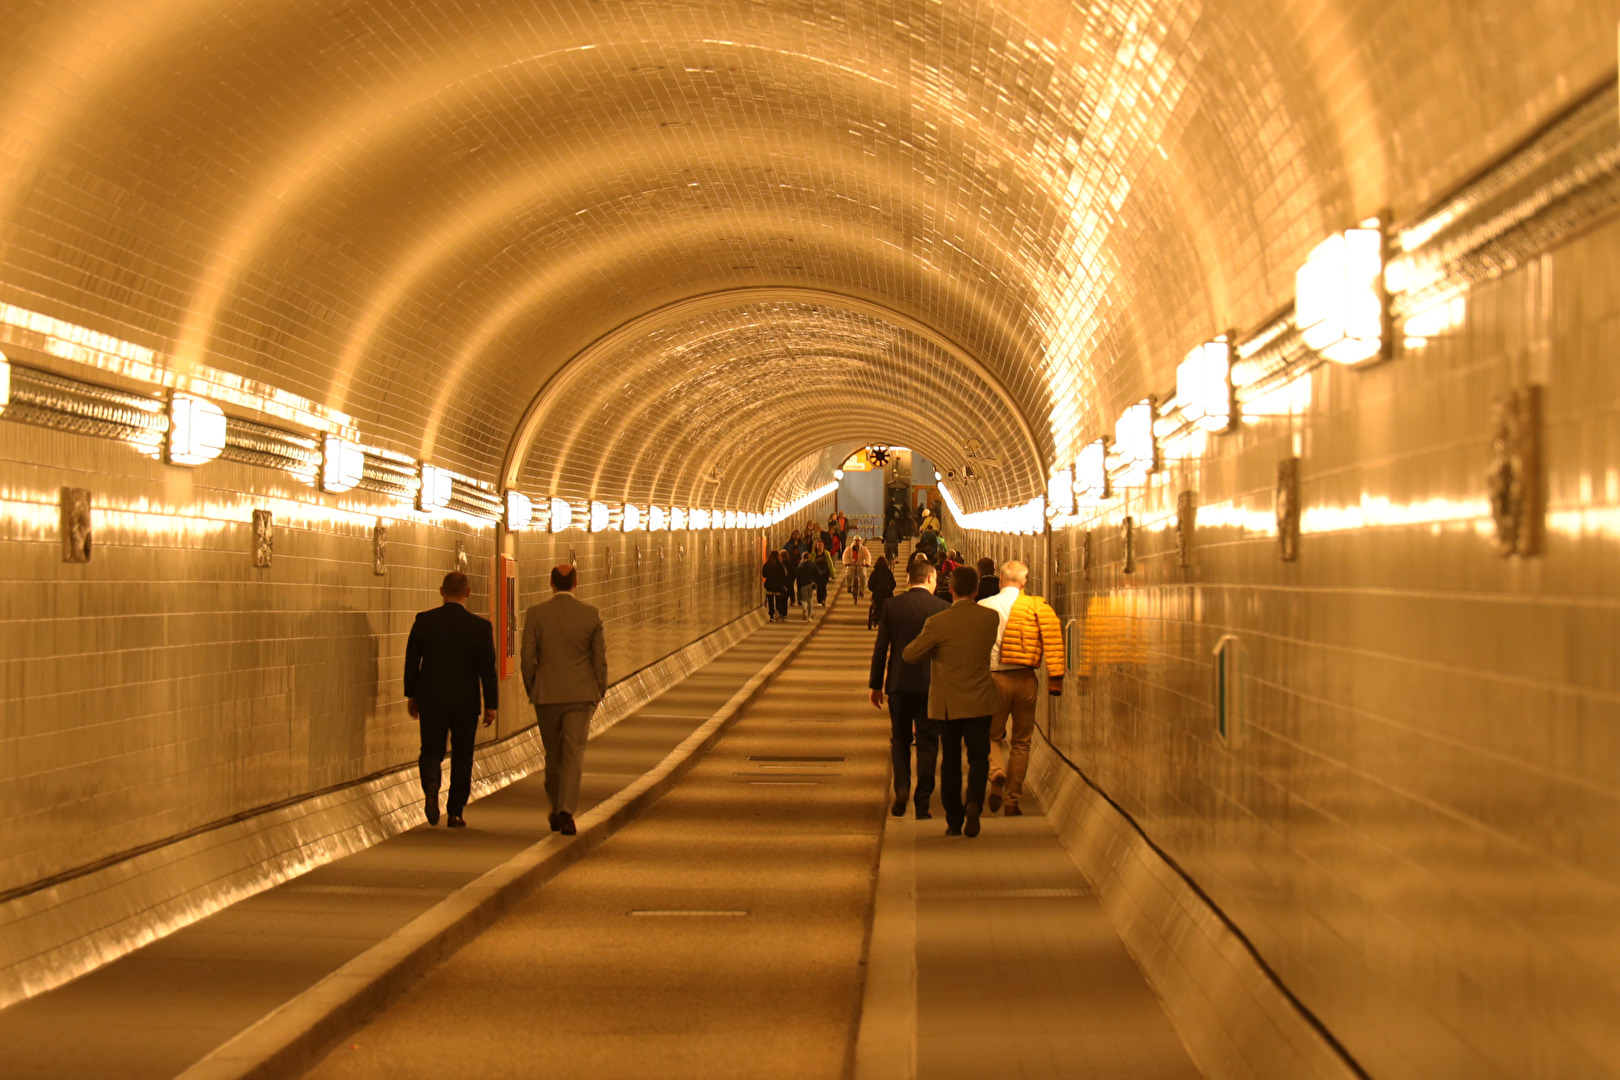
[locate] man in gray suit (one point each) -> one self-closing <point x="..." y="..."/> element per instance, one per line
<point x="565" y="673"/>
<point x="961" y="696"/>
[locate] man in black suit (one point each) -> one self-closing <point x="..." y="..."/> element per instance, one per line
<point x="449" y="658"/>
<point x="902" y="620"/>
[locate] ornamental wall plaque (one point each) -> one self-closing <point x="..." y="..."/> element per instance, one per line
<point x="1513" y="478"/>
<point x="1186" y="526"/>
<point x="461" y="556"/>
<point x="607" y="561"/>
<point x="75" y="525"/>
<point x="379" y="549"/>
<point x="264" y="538"/>
<point x="1287" y="508"/>
<point x="1085" y="555"/>
<point x="1128" y="538"/>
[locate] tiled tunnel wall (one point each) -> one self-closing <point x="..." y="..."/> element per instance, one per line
<point x="169" y="684"/>
<point x="1416" y="825"/>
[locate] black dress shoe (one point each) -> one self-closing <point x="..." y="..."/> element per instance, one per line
<point x="899" y="807"/>
<point x="972" y="826"/>
<point x="923" y="814"/>
<point x="567" y="828"/>
<point x="457" y="822"/>
<point x="431" y="808"/>
<point x="555" y="821"/>
<point x="953" y="830"/>
<point x="1012" y="811"/>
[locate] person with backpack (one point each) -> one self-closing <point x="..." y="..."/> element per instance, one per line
<point x="882" y="584"/>
<point x="1029" y="636"/>
<point x="822" y="561"/>
<point x="806" y="579"/>
<point x="892" y="535"/>
<point x="777" y="585"/>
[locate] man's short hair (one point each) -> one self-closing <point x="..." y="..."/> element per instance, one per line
<point x="455" y="584"/>
<point x="919" y="570"/>
<point x="1014" y="572"/>
<point x="564" y="577"/>
<point x="987" y="567"/>
<point x="964" y="581"/>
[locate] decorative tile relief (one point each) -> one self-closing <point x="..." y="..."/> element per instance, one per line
<point x="1186" y="526"/>
<point x="264" y="538"/>
<point x="462" y="562"/>
<point x="75" y="525"/>
<point x="1514" y="476"/>
<point x="1127" y="534"/>
<point x="1287" y="508"/>
<point x="379" y="549"/>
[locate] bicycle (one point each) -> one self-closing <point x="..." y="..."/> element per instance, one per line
<point x="857" y="581"/>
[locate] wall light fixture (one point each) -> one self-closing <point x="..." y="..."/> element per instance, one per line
<point x="1060" y="493"/>
<point x="1339" y="299"/>
<point x="1091" y="487"/>
<point x="196" y="430"/>
<point x="434" y="492"/>
<point x="697" y="519"/>
<point x="632" y="517"/>
<point x="677" y="518"/>
<point x="600" y="516"/>
<point x="562" y="515"/>
<point x="5" y="383"/>
<point x="1204" y="386"/>
<point x="657" y="519"/>
<point x="1136" y="450"/>
<point x="519" y="510"/>
<point x="343" y="464"/>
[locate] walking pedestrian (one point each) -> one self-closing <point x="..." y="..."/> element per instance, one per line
<point x="822" y="560"/>
<point x="899" y="622"/>
<point x="882" y="584"/>
<point x="807" y="579"/>
<point x="565" y="672"/>
<point x="961" y="697"/>
<point x="1027" y="634"/>
<point x="946" y="566"/>
<point x="893" y="533"/>
<point x="989" y="583"/>
<point x="449" y="660"/>
<point x="775" y="576"/>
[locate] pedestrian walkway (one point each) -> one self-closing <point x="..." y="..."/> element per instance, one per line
<point x="991" y="958"/>
<point x="718" y="935"/>
<point x="151" y="1014"/>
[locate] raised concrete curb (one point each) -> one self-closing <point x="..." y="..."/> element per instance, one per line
<point x="1236" y="1018"/>
<point x="290" y="1040"/>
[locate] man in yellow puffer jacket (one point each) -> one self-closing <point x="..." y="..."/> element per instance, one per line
<point x="1030" y="634"/>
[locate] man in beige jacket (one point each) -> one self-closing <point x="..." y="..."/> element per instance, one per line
<point x="565" y="673"/>
<point x="961" y="696"/>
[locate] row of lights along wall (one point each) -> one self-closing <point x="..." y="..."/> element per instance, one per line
<point x="197" y="430"/>
<point x="1341" y="312"/>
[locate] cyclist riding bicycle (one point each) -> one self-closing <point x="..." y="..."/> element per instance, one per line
<point x="856" y="560"/>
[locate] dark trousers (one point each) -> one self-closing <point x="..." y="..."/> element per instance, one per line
<point x="908" y="723"/>
<point x="821" y="591"/>
<point x="974" y="731"/>
<point x="461" y="732"/>
<point x="777" y="604"/>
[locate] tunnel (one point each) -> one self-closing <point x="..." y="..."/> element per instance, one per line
<point x="1257" y="357"/>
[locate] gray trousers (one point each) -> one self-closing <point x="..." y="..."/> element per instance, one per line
<point x="563" y="729"/>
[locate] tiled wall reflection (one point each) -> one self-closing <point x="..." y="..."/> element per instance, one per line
<point x="168" y="683"/>
<point x="1418" y="822"/>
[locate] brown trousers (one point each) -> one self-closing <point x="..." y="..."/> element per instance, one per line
<point x="1017" y="690"/>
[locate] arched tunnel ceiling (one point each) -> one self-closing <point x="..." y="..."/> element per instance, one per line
<point x="419" y="211"/>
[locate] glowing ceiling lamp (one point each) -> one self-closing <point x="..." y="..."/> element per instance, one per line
<point x="677" y="518"/>
<point x="5" y="383"/>
<point x="632" y="517"/>
<point x="435" y="489"/>
<point x="343" y="464"/>
<point x="196" y="430"/>
<point x="1091" y="487"/>
<point x="600" y="517"/>
<point x="562" y="515"/>
<point x="657" y="519"/>
<point x="1339" y="302"/>
<point x="1204" y="386"/>
<point x="838" y="474"/>
<point x="519" y="510"/>
<point x="1135" y="448"/>
<point x="697" y="519"/>
<point x="1060" y="493"/>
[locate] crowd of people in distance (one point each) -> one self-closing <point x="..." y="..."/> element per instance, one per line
<point x="956" y="659"/>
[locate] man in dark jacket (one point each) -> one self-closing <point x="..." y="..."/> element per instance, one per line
<point x="449" y="658"/>
<point x="900" y="621"/>
<point x="892" y="536"/>
<point x="989" y="583"/>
